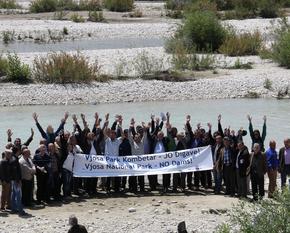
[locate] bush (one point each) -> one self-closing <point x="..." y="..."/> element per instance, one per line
<point x="176" y="4"/>
<point x="3" y="66"/>
<point x="184" y="60"/>
<point x="281" y="50"/>
<point x="96" y="16"/>
<point x="9" y="4"/>
<point x="65" y="68"/>
<point x="225" y="4"/>
<point x="241" y="44"/>
<point x="77" y="18"/>
<point x="37" y="6"/>
<point x="239" y="65"/>
<point x="17" y="71"/>
<point x="202" y="31"/>
<point x="119" y="5"/>
<point x="269" y="8"/>
<point x="267" y="216"/>
<point x="7" y="36"/>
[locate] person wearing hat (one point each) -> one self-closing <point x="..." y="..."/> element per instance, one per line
<point x="225" y="165"/>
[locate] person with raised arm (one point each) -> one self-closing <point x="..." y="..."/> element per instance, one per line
<point x="137" y="146"/>
<point x="256" y="135"/>
<point x="17" y="142"/>
<point x="50" y="134"/>
<point x="112" y="149"/>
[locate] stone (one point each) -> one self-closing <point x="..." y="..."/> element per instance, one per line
<point x="132" y="210"/>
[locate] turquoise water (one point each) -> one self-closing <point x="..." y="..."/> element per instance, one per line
<point x="234" y="113"/>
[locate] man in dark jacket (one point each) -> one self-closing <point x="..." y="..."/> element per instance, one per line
<point x="258" y="168"/>
<point x="42" y="163"/>
<point x="284" y="161"/>
<point x="226" y="166"/>
<point x="242" y="164"/>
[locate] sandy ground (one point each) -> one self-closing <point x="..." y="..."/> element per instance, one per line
<point x="150" y="213"/>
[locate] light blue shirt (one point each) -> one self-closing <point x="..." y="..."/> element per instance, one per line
<point x="159" y="148"/>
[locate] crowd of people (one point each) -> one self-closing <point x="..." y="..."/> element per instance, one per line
<point x="235" y="166"/>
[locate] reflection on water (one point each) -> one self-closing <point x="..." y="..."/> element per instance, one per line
<point x="234" y="113"/>
<point x="94" y="44"/>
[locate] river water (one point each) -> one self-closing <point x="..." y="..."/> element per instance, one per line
<point x="94" y="44"/>
<point x="233" y="111"/>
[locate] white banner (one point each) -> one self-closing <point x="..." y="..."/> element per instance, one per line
<point x="197" y="159"/>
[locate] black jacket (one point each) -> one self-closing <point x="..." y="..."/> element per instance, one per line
<point x="243" y="162"/>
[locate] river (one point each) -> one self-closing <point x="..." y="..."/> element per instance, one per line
<point x="234" y="112"/>
<point x="94" y="44"/>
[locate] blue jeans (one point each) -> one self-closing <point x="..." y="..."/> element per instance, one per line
<point x="16" y="197"/>
<point x="217" y="180"/>
<point x="66" y="182"/>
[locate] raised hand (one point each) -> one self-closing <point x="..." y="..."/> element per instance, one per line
<point x="74" y="117"/>
<point x="152" y="117"/>
<point x="96" y="115"/>
<point x="35" y="117"/>
<point x="219" y="118"/>
<point x="66" y="115"/>
<point x="107" y="117"/>
<point x="32" y="132"/>
<point x="9" y="133"/>
<point x="168" y="115"/>
<point x="157" y="120"/>
<point x="198" y="125"/>
<point x="265" y="119"/>
<point x="249" y="118"/>
<point x="132" y="122"/>
<point x="209" y="125"/>
<point x="188" y="118"/>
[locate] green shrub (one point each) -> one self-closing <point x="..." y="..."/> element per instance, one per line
<point x="9" y="4"/>
<point x="239" y="65"/>
<point x="96" y="16"/>
<point x="37" y="6"/>
<point x="59" y="15"/>
<point x="266" y="216"/>
<point x="202" y="31"/>
<point x="182" y="59"/>
<point x="7" y="36"/>
<point x="225" y="4"/>
<point x="65" y="68"/>
<point x="269" y="8"/>
<point x="75" y="17"/>
<point x="65" y="31"/>
<point x="176" y="4"/>
<point x="3" y="66"/>
<point x="241" y="44"/>
<point x="119" y="5"/>
<point x="17" y="71"/>
<point x="268" y="84"/>
<point x="281" y="49"/>
<point x="202" y="5"/>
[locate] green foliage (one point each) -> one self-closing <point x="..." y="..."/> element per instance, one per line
<point x="65" y="68"/>
<point x="119" y="5"/>
<point x="225" y="4"/>
<point x="75" y="17"/>
<point x="9" y="4"/>
<point x="96" y="16"/>
<point x="7" y="36"/>
<point x="17" y="71"/>
<point x="241" y="44"/>
<point x="202" y="31"/>
<point x="144" y="64"/>
<point x="59" y="15"/>
<point x="38" y="6"/>
<point x="268" y="84"/>
<point x="239" y="65"/>
<point x="3" y="66"/>
<point x="281" y="48"/>
<point x="65" y="31"/>
<point x="176" y="4"/>
<point x="266" y="216"/>
<point x="269" y="8"/>
<point x="182" y="59"/>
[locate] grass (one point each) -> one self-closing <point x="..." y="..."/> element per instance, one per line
<point x="66" y="68"/>
<point x="65" y="31"/>
<point x="3" y="66"/>
<point x="75" y="17"/>
<point x="281" y="49"/>
<point x="268" y="84"/>
<point x="239" y="65"/>
<point x="7" y="36"/>
<point x="241" y="44"/>
<point x="119" y="5"/>
<point x="96" y="16"/>
<point x="9" y="4"/>
<point x="37" y="6"/>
